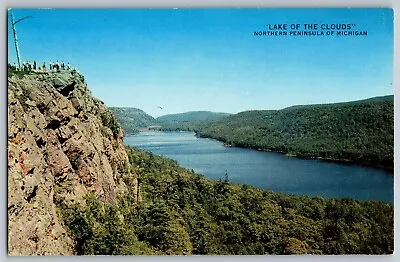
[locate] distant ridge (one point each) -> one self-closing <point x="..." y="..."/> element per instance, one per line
<point x="133" y="119"/>
<point x="387" y="98"/>
<point x="191" y="116"/>
<point x="188" y="120"/>
<point x="360" y="131"/>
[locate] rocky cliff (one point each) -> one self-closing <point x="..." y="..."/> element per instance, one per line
<point x="62" y="142"/>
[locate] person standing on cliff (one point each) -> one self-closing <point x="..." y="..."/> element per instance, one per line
<point x="44" y="66"/>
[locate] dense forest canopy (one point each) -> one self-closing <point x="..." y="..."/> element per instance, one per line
<point x="360" y="131"/>
<point x="187" y="121"/>
<point x="184" y="213"/>
<point x="132" y="119"/>
<point x="193" y="116"/>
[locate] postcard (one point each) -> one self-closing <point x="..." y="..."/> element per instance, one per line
<point x="200" y="131"/>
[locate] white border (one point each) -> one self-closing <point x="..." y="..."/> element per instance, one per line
<point x="182" y="3"/>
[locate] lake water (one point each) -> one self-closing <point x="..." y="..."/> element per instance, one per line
<point x="268" y="170"/>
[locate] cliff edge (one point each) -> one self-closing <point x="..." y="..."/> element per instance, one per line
<point x="62" y="142"/>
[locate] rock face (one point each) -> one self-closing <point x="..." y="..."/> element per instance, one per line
<point x="64" y="142"/>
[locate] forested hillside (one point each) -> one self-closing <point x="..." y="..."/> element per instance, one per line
<point x="189" y="120"/>
<point x="184" y="213"/>
<point x="361" y="131"/>
<point x="132" y="119"/>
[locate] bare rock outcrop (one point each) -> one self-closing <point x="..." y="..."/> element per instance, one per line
<point x="61" y="141"/>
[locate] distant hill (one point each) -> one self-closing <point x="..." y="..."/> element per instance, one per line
<point x="359" y="131"/>
<point x="388" y="98"/>
<point x="132" y="119"/>
<point x="188" y="120"/>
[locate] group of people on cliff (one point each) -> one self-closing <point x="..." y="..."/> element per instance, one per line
<point x="53" y="66"/>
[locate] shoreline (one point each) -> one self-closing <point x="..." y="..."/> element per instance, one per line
<point x="387" y="174"/>
<point x="288" y="154"/>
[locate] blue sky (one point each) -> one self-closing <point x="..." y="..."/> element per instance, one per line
<point x="209" y="59"/>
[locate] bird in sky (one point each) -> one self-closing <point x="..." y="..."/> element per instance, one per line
<point x="159" y="107"/>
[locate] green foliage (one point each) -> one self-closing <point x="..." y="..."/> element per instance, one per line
<point x="360" y="132"/>
<point x="132" y="119"/>
<point x="184" y="213"/>
<point x="12" y="71"/>
<point x="22" y="96"/>
<point x="109" y="120"/>
<point x="188" y="121"/>
<point x="218" y="217"/>
<point x="162" y="228"/>
<point x="99" y="229"/>
<point x="74" y="159"/>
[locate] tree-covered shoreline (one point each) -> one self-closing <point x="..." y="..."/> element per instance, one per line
<point x="359" y="132"/>
<point x="183" y="213"/>
<point x="317" y="158"/>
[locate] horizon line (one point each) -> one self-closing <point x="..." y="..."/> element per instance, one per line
<point x="295" y="105"/>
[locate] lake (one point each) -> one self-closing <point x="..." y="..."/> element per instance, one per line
<point x="268" y="170"/>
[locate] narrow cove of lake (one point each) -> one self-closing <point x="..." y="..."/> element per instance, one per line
<point x="268" y="170"/>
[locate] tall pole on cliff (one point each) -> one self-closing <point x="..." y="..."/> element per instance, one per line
<point x="15" y="36"/>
